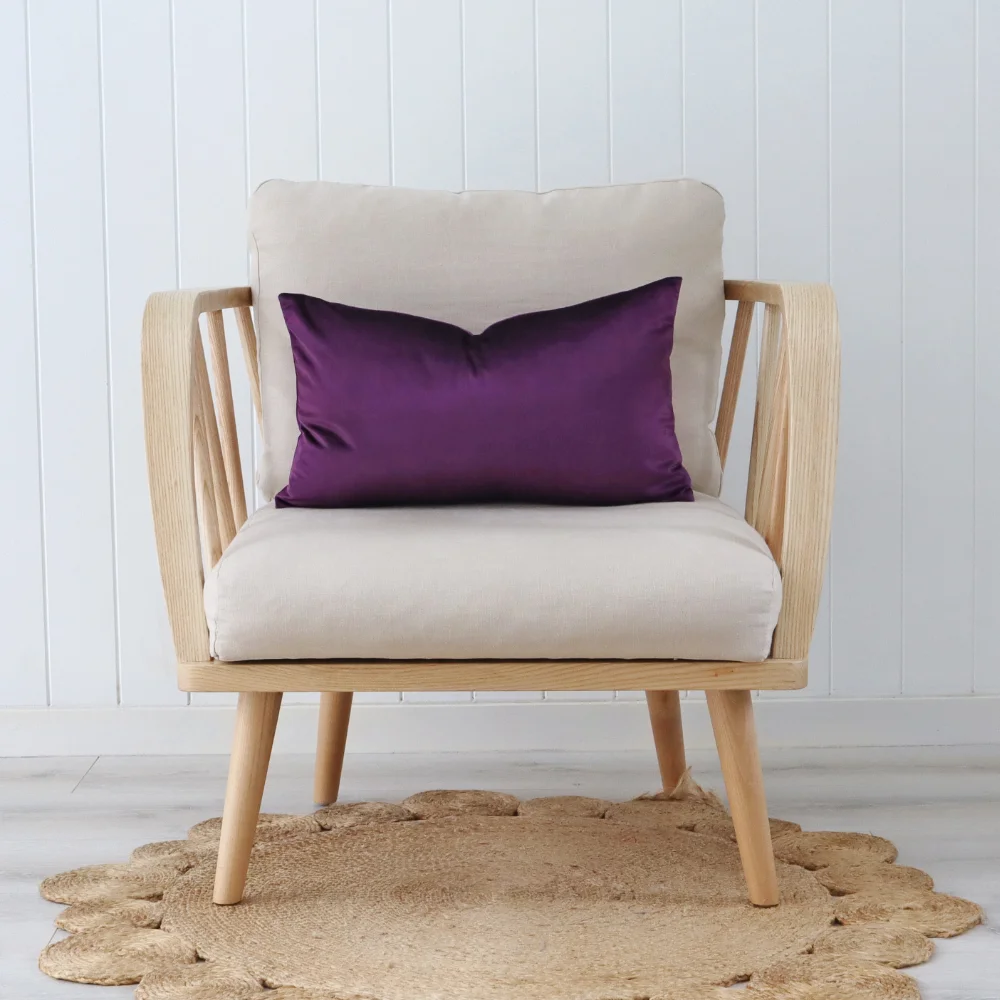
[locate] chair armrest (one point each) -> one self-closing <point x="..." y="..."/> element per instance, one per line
<point x="189" y="472"/>
<point x="793" y="456"/>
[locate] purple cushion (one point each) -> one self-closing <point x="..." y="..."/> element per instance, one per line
<point x="566" y="406"/>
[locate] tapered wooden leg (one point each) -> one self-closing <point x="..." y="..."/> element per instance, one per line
<point x="668" y="735"/>
<point x="256" y="718"/>
<point x="334" y="717"/>
<point x="736" y="738"/>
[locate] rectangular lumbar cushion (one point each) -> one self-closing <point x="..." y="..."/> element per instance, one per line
<point x="562" y="406"/>
<point x="474" y="258"/>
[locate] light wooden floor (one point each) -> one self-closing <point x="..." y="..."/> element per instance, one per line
<point x="941" y="807"/>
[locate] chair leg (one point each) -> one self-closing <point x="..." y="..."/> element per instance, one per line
<point x="736" y="739"/>
<point x="668" y="735"/>
<point x="334" y="718"/>
<point x="256" y="718"/>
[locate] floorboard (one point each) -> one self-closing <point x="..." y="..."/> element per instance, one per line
<point x="941" y="806"/>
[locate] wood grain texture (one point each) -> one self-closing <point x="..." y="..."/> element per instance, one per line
<point x="768" y="402"/>
<point x="733" y="377"/>
<point x="256" y="719"/>
<point x="736" y="740"/>
<point x="216" y="465"/>
<point x="793" y="455"/>
<point x="489" y="675"/>
<point x="331" y="741"/>
<point x="207" y="508"/>
<point x="668" y="735"/>
<point x="813" y="401"/>
<point x="248" y="342"/>
<point x="226" y="416"/>
<point x="169" y="333"/>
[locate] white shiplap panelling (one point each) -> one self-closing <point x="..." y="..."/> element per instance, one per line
<point x="352" y="46"/>
<point x="939" y="347"/>
<point x="987" y="347"/>
<point x="67" y="164"/>
<point x="211" y="164"/>
<point x="793" y="193"/>
<point x="866" y="184"/>
<point x="426" y="65"/>
<point x="499" y="66"/>
<point x="211" y="154"/>
<point x="647" y="71"/>
<point x="574" y="142"/>
<point x="281" y="92"/>
<point x="852" y="139"/>
<point x="137" y="88"/>
<point x="23" y="676"/>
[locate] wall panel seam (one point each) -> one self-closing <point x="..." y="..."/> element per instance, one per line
<point x="902" y="346"/>
<point x="38" y="355"/>
<point x="108" y="363"/>
<point x="975" y="341"/>
<point x="391" y="102"/>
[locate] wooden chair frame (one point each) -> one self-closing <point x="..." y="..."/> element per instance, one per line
<point x="198" y="502"/>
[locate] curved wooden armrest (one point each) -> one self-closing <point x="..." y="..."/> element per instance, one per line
<point x="793" y="456"/>
<point x="182" y="431"/>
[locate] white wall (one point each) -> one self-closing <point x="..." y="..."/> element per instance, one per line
<point x="856" y="141"/>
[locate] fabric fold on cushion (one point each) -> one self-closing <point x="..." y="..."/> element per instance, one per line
<point x="562" y="406"/>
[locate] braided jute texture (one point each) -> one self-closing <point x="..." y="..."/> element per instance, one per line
<point x="477" y="896"/>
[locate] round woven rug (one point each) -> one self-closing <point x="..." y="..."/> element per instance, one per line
<point x="470" y="895"/>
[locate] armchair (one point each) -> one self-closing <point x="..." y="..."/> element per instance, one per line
<point x="199" y="506"/>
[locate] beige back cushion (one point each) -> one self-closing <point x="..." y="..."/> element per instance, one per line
<point x="477" y="257"/>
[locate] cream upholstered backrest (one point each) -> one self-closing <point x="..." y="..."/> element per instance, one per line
<point x="477" y="257"/>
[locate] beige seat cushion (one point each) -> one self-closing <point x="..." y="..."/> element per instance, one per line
<point x="658" y="580"/>
<point x="480" y="256"/>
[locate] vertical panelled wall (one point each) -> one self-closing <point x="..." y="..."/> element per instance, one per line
<point x="856" y="141"/>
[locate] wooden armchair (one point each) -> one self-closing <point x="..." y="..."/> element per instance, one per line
<point x="198" y="501"/>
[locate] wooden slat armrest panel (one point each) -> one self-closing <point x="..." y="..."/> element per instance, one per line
<point x="795" y="441"/>
<point x="170" y="337"/>
<point x="812" y="336"/>
<point x="491" y="675"/>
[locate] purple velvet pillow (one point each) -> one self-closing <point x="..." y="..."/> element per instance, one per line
<point x="566" y="406"/>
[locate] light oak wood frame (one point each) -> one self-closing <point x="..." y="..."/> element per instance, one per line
<point x="198" y="502"/>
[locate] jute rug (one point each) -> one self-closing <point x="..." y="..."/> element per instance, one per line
<point x="477" y="896"/>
